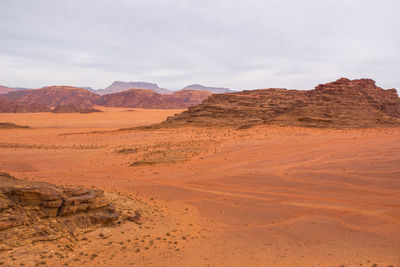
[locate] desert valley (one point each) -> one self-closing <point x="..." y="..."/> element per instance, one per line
<point x="200" y="177"/>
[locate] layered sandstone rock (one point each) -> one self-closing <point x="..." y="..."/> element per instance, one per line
<point x="137" y="98"/>
<point x="34" y="210"/>
<point x="343" y="103"/>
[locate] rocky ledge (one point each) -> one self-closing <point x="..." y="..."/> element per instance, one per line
<point x="37" y="211"/>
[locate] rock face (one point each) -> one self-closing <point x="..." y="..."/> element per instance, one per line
<point x="118" y="86"/>
<point x="215" y="90"/>
<point x="21" y="107"/>
<point x="34" y="210"/>
<point x="53" y="96"/>
<point x="137" y="98"/>
<point x="341" y="104"/>
<point x="5" y="89"/>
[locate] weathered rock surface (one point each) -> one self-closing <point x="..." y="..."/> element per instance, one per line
<point x="41" y="211"/>
<point x="343" y="103"/>
<point x="137" y="98"/>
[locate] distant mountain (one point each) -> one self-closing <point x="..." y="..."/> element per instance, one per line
<point x="118" y="86"/>
<point x="53" y="96"/>
<point x="21" y="88"/>
<point x="216" y="90"/>
<point x="89" y="89"/>
<point x="138" y="98"/>
<point x="5" y="89"/>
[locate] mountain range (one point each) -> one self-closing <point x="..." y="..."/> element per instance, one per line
<point x="139" y="98"/>
<point x="65" y="99"/>
<point x="119" y="86"/>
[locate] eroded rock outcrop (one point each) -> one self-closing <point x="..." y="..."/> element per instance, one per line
<point x="32" y="211"/>
<point x="74" y="109"/>
<point x="343" y="103"/>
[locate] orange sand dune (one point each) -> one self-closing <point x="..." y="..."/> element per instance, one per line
<point x="265" y="196"/>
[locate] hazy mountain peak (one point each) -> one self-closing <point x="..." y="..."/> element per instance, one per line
<point x="217" y="90"/>
<point x="120" y="86"/>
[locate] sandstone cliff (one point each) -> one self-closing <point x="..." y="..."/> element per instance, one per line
<point x="343" y="103"/>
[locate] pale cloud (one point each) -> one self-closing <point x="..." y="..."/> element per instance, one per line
<point x="237" y="44"/>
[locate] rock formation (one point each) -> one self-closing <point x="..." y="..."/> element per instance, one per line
<point x="53" y="96"/>
<point x="137" y="98"/>
<point x="118" y="86"/>
<point x="215" y="90"/>
<point x="73" y="109"/>
<point x="41" y="211"/>
<point x="343" y="103"/>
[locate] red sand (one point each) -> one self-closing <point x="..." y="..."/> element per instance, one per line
<point x="266" y="196"/>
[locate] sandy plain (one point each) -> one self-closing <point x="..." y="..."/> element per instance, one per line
<point x="264" y="196"/>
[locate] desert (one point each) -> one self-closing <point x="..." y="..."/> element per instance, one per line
<point x="200" y="133"/>
<point x="232" y="196"/>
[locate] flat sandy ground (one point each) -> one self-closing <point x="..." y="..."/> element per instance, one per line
<point x="265" y="196"/>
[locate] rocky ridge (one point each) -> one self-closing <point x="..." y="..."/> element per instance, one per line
<point x="53" y="96"/>
<point x="341" y="104"/>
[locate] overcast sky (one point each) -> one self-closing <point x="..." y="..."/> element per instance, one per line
<point x="232" y="43"/>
